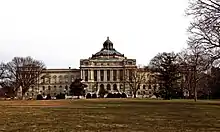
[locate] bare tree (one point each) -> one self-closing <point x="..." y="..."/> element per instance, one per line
<point x="4" y="76"/>
<point x="134" y="78"/>
<point x="24" y="72"/>
<point x="194" y="63"/>
<point x="205" y="28"/>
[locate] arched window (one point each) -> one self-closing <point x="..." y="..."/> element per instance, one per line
<point x="108" y="87"/>
<point x="121" y="86"/>
<point x="60" y="87"/>
<point x="48" y="87"/>
<point x="72" y="78"/>
<point x="60" y="79"/>
<point x="138" y="86"/>
<point x="66" y="78"/>
<point x="43" y="88"/>
<point x="55" y="79"/>
<point x="115" y="87"/>
<point x="102" y="86"/>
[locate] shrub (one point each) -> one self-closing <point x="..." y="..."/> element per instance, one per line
<point x="110" y="95"/>
<point x="60" y="96"/>
<point x="123" y="95"/>
<point x="88" y="96"/>
<point x="118" y="95"/>
<point x="39" y="97"/>
<point x="94" y="96"/>
<point x="114" y="95"/>
<point x="48" y="97"/>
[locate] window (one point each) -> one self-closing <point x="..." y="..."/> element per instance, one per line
<point x="72" y="78"/>
<point x="149" y="86"/>
<point x="108" y="75"/>
<point x="66" y="79"/>
<point x="114" y="75"/>
<point x="49" y="79"/>
<point x="144" y="86"/>
<point x="130" y="74"/>
<point x="43" y="88"/>
<point x="86" y="75"/>
<point x="121" y="87"/>
<point x="108" y="87"/>
<point x="138" y="86"/>
<point x="55" y="79"/>
<point x="95" y="75"/>
<point x="102" y="75"/>
<point x="48" y="87"/>
<point x="121" y="75"/>
<point x="115" y="87"/>
<point x="60" y="79"/>
<point x="55" y="87"/>
<point x="60" y="87"/>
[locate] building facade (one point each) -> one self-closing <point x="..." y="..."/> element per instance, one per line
<point x="107" y="69"/>
<point x="53" y="82"/>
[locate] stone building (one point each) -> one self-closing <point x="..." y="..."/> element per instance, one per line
<point x="53" y="82"/>
<point x="107" y="69"/>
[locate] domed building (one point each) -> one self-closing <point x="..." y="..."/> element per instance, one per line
<point x="106" y="69"/>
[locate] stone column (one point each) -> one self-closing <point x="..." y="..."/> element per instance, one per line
<point x="118" y="86"/>
<point x="89" y="75"/>
<point x="98" y="75"/>
<point x="105" y="75"/>
<point x="92" y="74"/>
<point x="81" y="74"/>
<point x="83" y="77"/>
<point x="111" y="75"/>
<point x="117" y="76"/>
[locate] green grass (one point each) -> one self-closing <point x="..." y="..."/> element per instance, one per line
<point x="110" y="115"/>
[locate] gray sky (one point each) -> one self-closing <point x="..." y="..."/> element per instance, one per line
<point x="61" y="32"/>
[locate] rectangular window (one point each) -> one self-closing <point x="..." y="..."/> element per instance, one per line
<point x="102" y="75"/>
<point x="121" y="75"/>
<point x="95" y="75"/>
<point x="130" y="74"/>
<point x="114" y="75"/>
<point x="108" y="75"/>
<point x="86" y="75"/>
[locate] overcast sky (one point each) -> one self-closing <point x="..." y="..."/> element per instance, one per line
<point x="61" y="32"/>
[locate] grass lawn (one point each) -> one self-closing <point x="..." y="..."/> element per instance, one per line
<point x="109" y="115"/>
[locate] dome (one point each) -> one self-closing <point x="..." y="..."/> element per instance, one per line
<point x="107" y="50"/>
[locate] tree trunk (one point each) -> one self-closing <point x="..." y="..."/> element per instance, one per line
<point x="195" y="94"/>
<point x="134" y="94"/>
